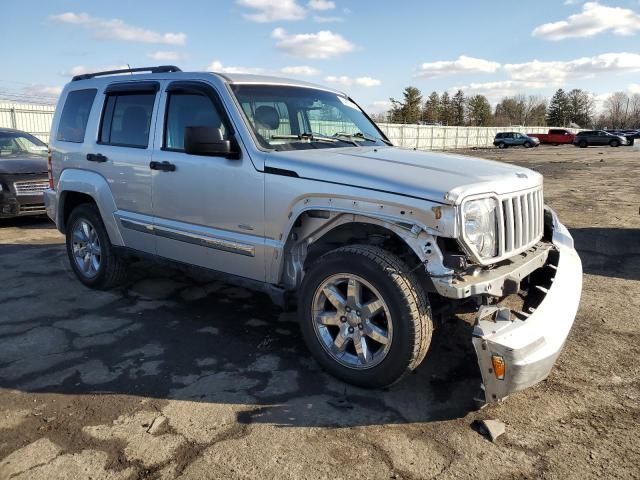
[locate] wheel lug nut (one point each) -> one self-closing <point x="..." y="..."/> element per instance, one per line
<point x="348" y="309"/>
<point x="360" y="326"/>
<point x="343" y="319"/>
<point x="358" y="312"/>
<point x="350" y="329"/>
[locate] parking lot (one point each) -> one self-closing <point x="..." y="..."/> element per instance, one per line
<point x="177" y="375"/>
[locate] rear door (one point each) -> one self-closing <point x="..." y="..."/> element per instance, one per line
<point x="122" y="154"/>
<point x="208" y="210"/>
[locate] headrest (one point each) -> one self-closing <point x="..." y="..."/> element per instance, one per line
<point x="267" y="117"/>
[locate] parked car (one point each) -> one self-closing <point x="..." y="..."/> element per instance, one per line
<point x="555" y="136"/>
<point x="590" y="138"/>
<point x="629" y="135"/>
<point x="514" y="139"/>
<point x="291" y="188"/>
<point x="23" y="174"/>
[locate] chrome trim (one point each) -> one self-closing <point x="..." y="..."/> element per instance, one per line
<point x="136" y="225"/>
<point x="30" y="187"/>
<point x="206" y="241"/>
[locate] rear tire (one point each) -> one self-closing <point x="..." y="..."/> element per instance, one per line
<point x="92" y="257"/>
<point x="334" y="305"/>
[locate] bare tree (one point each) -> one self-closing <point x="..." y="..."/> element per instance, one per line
<point x="616" y="109"/>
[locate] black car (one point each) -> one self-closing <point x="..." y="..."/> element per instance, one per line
<point x="23" y="174"/>
<point x="590" y="138"/>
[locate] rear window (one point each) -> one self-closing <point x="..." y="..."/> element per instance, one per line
<point x="127" y="119"/>
<point x="75" y="115"/>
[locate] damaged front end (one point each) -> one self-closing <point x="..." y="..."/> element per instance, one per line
<point x="517" y="343"/>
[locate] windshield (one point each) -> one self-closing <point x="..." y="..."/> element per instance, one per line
<point x="16" y="144"/>
<point x="297" y="118"/>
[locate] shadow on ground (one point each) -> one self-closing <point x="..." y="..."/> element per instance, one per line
<point x="610" y="252"/>
<point x="170" y="335"/>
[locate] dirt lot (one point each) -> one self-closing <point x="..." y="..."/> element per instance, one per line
<point x="181" y="376"/>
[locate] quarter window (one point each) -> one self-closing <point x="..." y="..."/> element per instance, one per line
<point x="190" y="110"/>
<point x="75" y="115"/>
<point x="126" y="119"/>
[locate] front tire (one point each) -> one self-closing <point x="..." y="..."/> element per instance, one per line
<point x="528" y="145"/>
<point x="501" y="145"/>
<point x="583" y="144"/>
<point x="364" y="316"/>
<point x="614" y="143"/>
<point x="92" y="257"/>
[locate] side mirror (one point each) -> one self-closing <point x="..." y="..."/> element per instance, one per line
<point x="208" y="141"/>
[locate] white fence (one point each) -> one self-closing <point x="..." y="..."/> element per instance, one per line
<point x="36" y="119"/>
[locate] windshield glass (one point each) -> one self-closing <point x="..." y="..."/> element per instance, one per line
<point x="15" y="144"/>
<point x="297" y="118"/>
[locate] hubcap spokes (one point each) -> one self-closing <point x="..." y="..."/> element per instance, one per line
<point x="86" y="248"/>
<point x="352" y="321"/>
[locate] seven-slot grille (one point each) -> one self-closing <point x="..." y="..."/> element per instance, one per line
<point x="522" y="223"/>
<point x="31" y="187"/>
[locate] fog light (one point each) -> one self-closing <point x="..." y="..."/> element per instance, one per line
<point x="499" y="366"/>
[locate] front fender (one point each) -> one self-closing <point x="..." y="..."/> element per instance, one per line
<point x="95" y="186"/>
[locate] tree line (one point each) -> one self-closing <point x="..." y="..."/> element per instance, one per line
<point x="575" y="108"/>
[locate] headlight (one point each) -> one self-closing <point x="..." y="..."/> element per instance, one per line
<point x="480" y="226"/>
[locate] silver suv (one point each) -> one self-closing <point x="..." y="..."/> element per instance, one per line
<point x="291" y="188"/>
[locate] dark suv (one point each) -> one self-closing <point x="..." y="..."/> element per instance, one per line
<point x="23" y="174"/>
<point x="590" y="138"/>
<point x="515" y="139"/>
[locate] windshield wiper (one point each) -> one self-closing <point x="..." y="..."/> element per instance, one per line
<point x="357" y="135"/>
<point x="313" y="137"/>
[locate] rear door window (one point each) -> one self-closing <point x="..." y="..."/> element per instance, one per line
<point x="126" y="119"/>
<point x="75" y="115"/>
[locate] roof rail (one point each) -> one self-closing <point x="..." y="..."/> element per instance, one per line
<point x="158" y="69"/>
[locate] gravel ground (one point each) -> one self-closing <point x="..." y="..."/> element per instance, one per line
<point x="180" y="376"/>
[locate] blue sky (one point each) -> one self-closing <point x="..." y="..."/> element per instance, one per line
<point x="371" y="49"/>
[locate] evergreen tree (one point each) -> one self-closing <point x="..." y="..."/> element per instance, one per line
<point x="457" y="107"/>
<point x="558" y="111"/>
<point x="479" y="111"/>
<point x="446" y="112"/>
<point x="409" y="110"/>
<point x="431" y="111"/>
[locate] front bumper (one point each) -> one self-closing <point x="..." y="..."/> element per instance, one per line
<point x="12" y="205"/>
<point x="530" y="346"/>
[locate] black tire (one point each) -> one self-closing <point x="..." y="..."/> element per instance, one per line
<point x="501" y="145"/>
<point x="614" y="143"/>
<point x="583" y="144"/>
<point x="554" y="144"/>
<point x="527" y="145"/>
<point x="407" y="303"/>
<point x="113" y="268"/>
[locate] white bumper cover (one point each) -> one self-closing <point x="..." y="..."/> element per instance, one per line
<point x="531" y="346"/>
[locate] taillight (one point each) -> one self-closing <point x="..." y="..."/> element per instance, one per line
<point x="49" y="170"/>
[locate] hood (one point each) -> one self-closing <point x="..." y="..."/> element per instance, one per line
<point x="25" y="163"/>
<point x="436" y="176"/>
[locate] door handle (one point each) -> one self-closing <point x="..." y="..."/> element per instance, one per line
<point x="162" y="166"/>
<point x="96" y="157"/>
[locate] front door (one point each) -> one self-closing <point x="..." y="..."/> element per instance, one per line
<point x="208" y="210"/>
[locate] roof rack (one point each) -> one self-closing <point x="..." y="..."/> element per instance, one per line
<point x="158" y="69"/>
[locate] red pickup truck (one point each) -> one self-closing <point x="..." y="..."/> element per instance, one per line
<point x="556" y="136"/>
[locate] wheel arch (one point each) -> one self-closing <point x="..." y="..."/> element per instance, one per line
<point x="77" y="186"/>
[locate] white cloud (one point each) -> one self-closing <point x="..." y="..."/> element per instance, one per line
<point x="379" y="106"/>
<point x="348" y="81"/>
<point x="320" y="45"/>
<point x="82" y="69"/>
<point x="594" y="19"/>
<point x="217" y="66"/>
<point x="300" y="70"/>
<point x="42" y="91"/>
<point x="116" y="29"/>
<point x="494" y="91"/>
<point x="634" y="87"/>
<point x="321" y="5"/>
<point x="166" y="56"/>
<point x="556" y="73"/>
<point x="462" y="65"/>
<point x="273" y="10"/>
